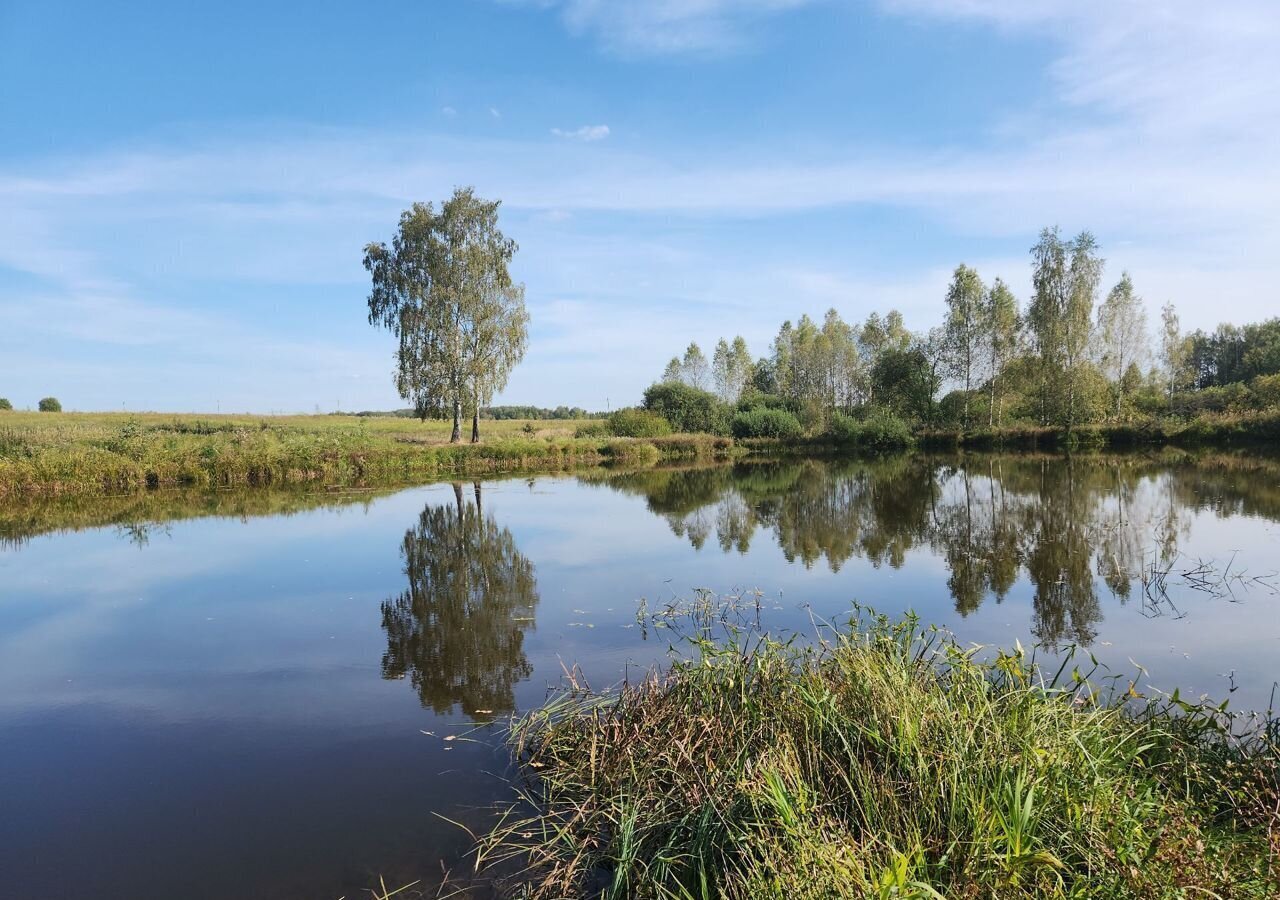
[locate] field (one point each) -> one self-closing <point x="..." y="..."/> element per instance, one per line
<point x="49" y="454"/>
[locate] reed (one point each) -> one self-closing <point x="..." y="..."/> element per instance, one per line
<point x="885" y="760"/>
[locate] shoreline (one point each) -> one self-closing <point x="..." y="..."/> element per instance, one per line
<point x="97" y="455"/>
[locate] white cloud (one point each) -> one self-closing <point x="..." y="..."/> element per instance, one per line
<point x="495" y="112"/>
<point x="1172" y="67"/>
<point x="448" y="111"/>
<point x="585" y="133"/>
<point x="668" y="26"/>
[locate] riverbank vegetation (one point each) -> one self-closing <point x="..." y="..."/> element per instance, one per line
<point x="119" y="452"/>
<point x="1071" y="365"/>
<point x="887" y="761"/>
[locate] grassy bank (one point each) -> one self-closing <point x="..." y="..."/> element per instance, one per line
<point x="1259" y="428"/>
<point x="888" y="763"/>
<point x="66" y="454"/>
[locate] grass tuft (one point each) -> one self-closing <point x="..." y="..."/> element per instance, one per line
<point x="887" y="761"/>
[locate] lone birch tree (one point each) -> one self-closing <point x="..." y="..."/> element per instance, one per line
<point x="444" y="289"/>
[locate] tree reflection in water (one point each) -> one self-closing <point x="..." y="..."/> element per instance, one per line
<point x="1072" y="526"/>
<point x="458" y="631"/>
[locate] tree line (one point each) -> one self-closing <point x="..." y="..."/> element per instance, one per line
<point x="496" y="413"/>
<point x="1070" y="355"/>
<point x="46" y="404"/>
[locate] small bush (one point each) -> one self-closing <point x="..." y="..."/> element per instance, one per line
<point x="763" y="401"/>
<point x="50" y="404"/>
<point x="687" y="408"/>
<point x="1266" y="391"/>
<point x="763" y="422"/>
<point x="636" y="453"/>
<point x="881" y="430"/>
<point x="5" y="404"/>
<point x="592" y="430"/>
<point x="639" y="423"/>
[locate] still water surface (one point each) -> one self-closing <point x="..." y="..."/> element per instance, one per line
<point x="250" y="695"/>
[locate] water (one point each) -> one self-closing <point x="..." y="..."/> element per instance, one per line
<point x="252" y="695"/>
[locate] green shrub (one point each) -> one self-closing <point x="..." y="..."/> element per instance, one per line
<point x="639" y="453"/>
<point x="1266" y="391"/>
<point x="881" y="430"/>
<point x="763" y="401"/>
<point x="763" y="422"/>
<point x="50" y="404"/>
<point x="1227" y="398"/>
<point x="687" y="408"/>
<point x="633" y="422"/>
<point x="5" y="404"/>
<point x="593" y="430"/>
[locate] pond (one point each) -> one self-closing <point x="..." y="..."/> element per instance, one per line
<point x="277" y="694"/>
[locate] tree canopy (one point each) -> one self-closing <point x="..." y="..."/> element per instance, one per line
<point x="444" y="289"/>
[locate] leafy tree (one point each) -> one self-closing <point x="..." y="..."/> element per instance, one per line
<point x="1233" y="354"/>
<point x="966" y="332"/>
<point x="906" y="381"/>
<point x="1122" y="332"/>
<point x="458" y="630"/>
<point x="731" y="368"/>
<point x="694" y="369"/>
<point x="5" y="404"/>
<point x="817" y="368"/>
<point x="1172" y="347"/>
<point x="1065" y="276"/>
<point x="764" y="376"/>
<point x="845" y="376"/>
<point x="1004" y="334"/>
<point x="687" y="408"/>
<point x="497" y="344"/>
<point x="672" y="371"/>
<point x="878" y="335"/>
<point x="722" y="371"/>
<point x="444" y="289"/>
<point x="1262" y="350"/>
<point x="49" y="404"/>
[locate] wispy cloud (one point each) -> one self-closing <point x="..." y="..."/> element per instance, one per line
<point x="585" y="133"/>
<point x="1163" y="136"/>
<point x="668" y="27"/>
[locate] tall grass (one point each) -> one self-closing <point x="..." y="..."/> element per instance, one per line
<point x="1206" y="429"/>
<point x="887" y="761"/>
<point x="112" y="453"/>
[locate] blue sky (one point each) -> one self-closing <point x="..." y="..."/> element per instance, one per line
<point x="184" y="193"/>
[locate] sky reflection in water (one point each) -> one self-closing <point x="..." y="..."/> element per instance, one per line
<point x="223" y="695"/>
